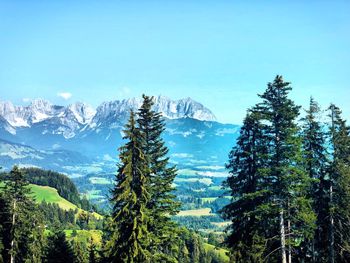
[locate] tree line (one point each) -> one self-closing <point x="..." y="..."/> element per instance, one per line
<point x="290" y="183"/>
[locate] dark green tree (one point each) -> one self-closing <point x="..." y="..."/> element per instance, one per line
<point x="22" y="228"/>
<point x="129" y="240"/>
<point x="92" y="251"/>
<point x="339" y="189"/>
<point x="161" y="177"/>
<point x="58" y="249"/>
<point x="289" y="205"/>
<point x="80" y="250"/>
<point x="246" y="161"/>
<point x="316" y="165"/>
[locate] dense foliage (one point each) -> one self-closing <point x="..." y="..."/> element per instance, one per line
<point x="21" y="223"/>
<point x="141" y="229"/>
<point x="289" y="184"/>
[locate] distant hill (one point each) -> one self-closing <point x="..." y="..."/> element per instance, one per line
<point x="50" y="195"/>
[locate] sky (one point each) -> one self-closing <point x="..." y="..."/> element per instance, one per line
<point x="220" y="53"/>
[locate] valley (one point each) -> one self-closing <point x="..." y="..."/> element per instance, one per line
<point x="82" y="143"/>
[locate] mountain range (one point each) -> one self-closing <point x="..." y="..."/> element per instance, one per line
<point x="78" y="139"/>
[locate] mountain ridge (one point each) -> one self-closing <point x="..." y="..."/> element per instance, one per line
<point x="76" y="115"/>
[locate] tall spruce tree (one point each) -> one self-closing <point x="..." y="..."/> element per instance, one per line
<point x="22" y="227"/>
<point x="316" y="166"/>
<point x="339" y="189"/>
<point x="161" y="176"/>
<point x="129" y="241"/>
<point x="288" y="205"/>
<point x="246" y="163"/>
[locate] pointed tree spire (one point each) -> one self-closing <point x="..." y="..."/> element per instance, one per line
<point x="161" y="177"/>
<point x="130" y="197"/>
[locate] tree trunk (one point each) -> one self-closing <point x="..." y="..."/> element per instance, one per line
<point x="289" y="236"/>
<point x="289" y="244"/>
<point x="331" y="249"/>
<point x="283" y="238"/>
<point x="12" y="259"/>
<point x="331" y="231"/>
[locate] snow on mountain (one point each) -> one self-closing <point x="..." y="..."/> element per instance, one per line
<point x="10" y="113"/>
<point x="175" y="109"/>
<point x="112" y="112"/>
<point x="38" y="110"/>
<point x="5" y="125"/>
<point x="82" y="112"/>
<point x="77" y="117"/>
<point x="25" y="116"/>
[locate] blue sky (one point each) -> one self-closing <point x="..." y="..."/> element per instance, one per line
<point x="220" y="53"/>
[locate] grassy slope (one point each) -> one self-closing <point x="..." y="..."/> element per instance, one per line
<point x="50" y="195"/>
<point x="195" y="212"/>
<point x="219" y="251"/>
<point x="84" y="236"/>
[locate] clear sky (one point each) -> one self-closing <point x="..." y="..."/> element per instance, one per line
<point x="220" y="53"/>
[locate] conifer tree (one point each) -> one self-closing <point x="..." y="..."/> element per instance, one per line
<point x="287" y="183"/>
<point x="246" y="161"/>
<point x="161" y="176"/>
<point x="58" y="249"/>
<point x="22" y="228"/>
<point x="339" y="189"/>
<point x="92" y="251"/>
<point x="316" y="165"/>
<point x="80" y="252"/>
<point x="268" y="182"/>
<point x="129" y="240"/>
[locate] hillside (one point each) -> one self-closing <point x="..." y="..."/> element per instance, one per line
<point x="50" y="195"/>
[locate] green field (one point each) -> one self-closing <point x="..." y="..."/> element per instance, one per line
<point x="50" y="195"/>
<point x="85" y="236"/>
<point x="206" y="181"/>
<point x="222" y="253"/>
<point x="99" y="180"/>
<point x="195" y="212"/>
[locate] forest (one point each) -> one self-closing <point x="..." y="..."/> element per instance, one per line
<point x="289" y="188"/>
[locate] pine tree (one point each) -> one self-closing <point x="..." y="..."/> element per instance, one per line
<point x="129" y="240"/>
<point x="22" y="227"/>
<point x="80" y="252"/>
<point x="58" y="249"/>
<point x="288" y="206"/>
<point x="339" y="189"/>
<point x="246" y="161"/>
<point x="161" y="176"/>
<point x="92" y="251"/>
<point x="316" y="165"/>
